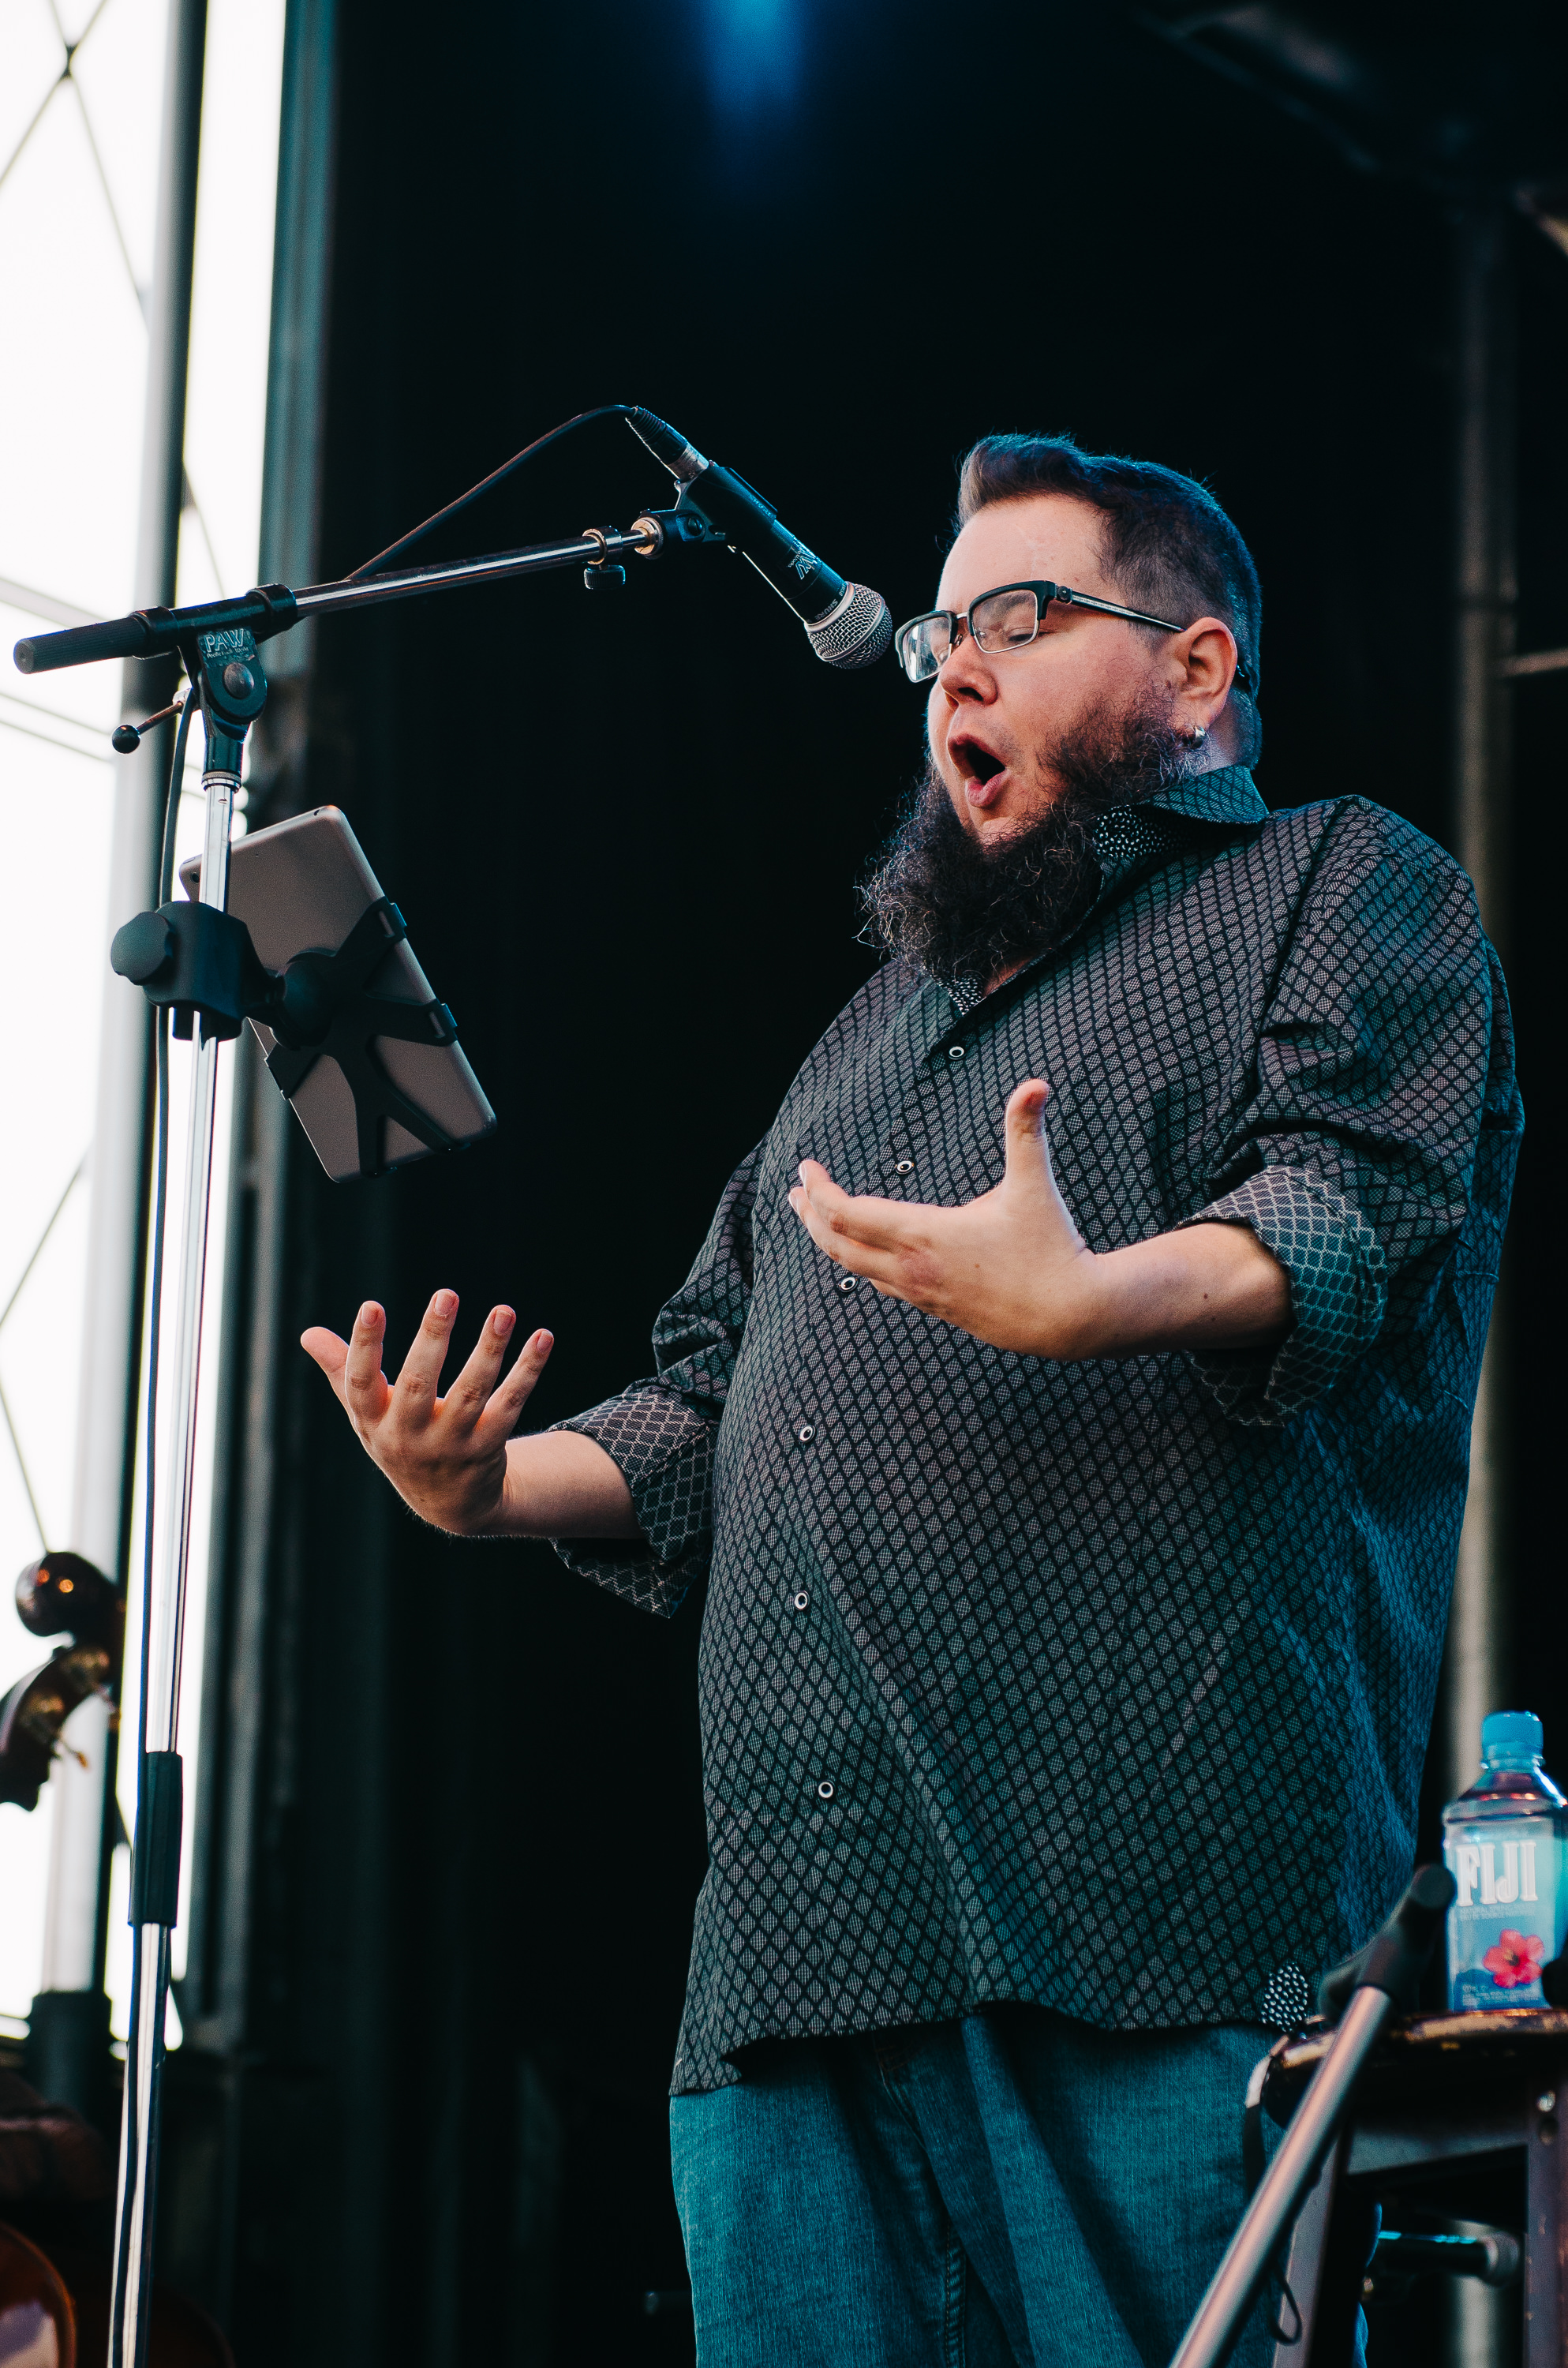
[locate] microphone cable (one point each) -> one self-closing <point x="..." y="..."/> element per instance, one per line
<point x="497" y="476"/>
<point x="847" y="624"/>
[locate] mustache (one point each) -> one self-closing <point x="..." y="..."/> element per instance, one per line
<point x="966" y="910"/>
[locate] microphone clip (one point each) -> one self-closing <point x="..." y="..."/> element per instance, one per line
<point x="663" y="529"/>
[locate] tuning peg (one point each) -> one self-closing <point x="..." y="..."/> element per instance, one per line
<point x="65" y="1592"/>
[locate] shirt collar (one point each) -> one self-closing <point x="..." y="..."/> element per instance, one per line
<point x="1227" y="795"/>
<point x="1130" y="840"/>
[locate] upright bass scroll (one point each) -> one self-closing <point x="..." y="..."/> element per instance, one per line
<point x="59" y="1594"/>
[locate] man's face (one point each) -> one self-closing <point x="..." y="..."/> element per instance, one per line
<point x="993" y="721"/>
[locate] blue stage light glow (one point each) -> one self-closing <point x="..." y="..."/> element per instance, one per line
<point x="755" y="54"/>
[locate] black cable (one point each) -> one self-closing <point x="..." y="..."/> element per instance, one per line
<point x="406" y="541"/>
<point x="160" y="1203"/>
<point x="171" y="803"/>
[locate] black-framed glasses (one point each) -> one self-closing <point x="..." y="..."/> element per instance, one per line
<point x="1007" y="618"/>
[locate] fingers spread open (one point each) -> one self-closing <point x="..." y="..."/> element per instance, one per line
<point x="365" y="1391"/>
<point x="421" y="1374"/>
<point x="499" y="1419"/>
<point x="325" y="1349"/>
<point x="468" y="1394"/>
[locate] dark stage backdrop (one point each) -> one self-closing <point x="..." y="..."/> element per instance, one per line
<point x="451" y="1910"/>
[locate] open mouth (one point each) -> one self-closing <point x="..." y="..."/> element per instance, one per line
<point x="977" y="763"/>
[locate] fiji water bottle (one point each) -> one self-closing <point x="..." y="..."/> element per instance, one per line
<point x="1505" y="1844"/>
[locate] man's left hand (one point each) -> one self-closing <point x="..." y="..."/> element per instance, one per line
<point x="1012" y="1268"/>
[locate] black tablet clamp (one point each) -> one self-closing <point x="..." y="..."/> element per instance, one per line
<point x="200" y="960"/>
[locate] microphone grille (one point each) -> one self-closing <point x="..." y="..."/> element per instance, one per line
<point x="854" y="633"/>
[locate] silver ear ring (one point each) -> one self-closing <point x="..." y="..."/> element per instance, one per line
<point x="1201" y="733"/>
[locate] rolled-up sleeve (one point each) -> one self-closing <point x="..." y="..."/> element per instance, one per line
<point x="1338" y="1280"/>
<point x="662" y="1431"/>
<point x="1353" y="1157"/>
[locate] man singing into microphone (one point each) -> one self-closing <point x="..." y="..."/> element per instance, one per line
<point x="1070" y="1406"/>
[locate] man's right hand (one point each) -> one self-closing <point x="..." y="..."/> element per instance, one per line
<point x="446" y="1456"/>
<point x="453" y="1458"/>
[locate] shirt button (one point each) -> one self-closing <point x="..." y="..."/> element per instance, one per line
<point x="849" y="1282"/>
<point x="805" y="1432"/>
<point x="801" y="1599"/>
<point x="825" y="1789"/>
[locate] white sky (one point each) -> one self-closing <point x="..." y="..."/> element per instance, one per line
<point x="70" y="401"/>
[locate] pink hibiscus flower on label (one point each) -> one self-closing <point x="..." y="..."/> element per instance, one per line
<point x="1516" y="1958"/>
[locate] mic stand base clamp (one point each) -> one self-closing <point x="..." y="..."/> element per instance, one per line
<point x="198" y="960"/>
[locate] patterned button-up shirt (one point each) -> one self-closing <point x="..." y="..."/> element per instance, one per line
<point x="1107" y="1684"/>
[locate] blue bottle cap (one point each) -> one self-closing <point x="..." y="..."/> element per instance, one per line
<point x="1511" y="1738"/>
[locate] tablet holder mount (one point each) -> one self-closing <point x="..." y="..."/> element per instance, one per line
<point x="201" y="964"/>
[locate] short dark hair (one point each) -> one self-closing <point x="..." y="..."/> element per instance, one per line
<point x="1166" y="544"/>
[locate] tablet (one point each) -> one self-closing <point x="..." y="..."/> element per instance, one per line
<point x="300" y="887"/>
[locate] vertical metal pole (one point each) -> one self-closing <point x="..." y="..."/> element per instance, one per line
<point x="238" y="1717"/>
<point x="71" y="2043"/>
<point x="1477" y="1672"/>
<point x="1478" y="1661"/>
<point x="165" y="1641"/>
<point x="247" y="1774"/>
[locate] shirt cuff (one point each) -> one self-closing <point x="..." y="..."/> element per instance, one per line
<point x="1338" y="1280"/>
<point x="664" y="1450"/>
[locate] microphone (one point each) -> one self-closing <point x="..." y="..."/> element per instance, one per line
<point x="846" y="624"/>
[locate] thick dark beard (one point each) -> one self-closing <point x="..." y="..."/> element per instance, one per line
<point x="968" y="912"/>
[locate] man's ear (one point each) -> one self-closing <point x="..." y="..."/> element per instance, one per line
<point x="1204" y="658"/>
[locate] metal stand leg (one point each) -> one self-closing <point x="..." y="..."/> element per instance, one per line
<point x="1545" y="2239"/>
<point x="1288" y="2179"/>
<point x="1307" y="2261"/>
<point x="153" y="1908"/>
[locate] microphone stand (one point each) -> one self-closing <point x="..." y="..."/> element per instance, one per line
<point x="154" y="1903"/>
<point x="272" y="609"/>
<point x="217" y="640"/>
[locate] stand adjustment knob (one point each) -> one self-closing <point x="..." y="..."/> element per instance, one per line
<point x="143" y="949"/>
<point x="127" y="738"/>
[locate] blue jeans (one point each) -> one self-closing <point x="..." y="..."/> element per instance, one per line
<point x="1013" y="2191"/>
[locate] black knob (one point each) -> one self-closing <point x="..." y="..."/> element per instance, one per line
<point x="238" y="680"/>
<point x="125" y="739"/>
<point x="141" y="949"/>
